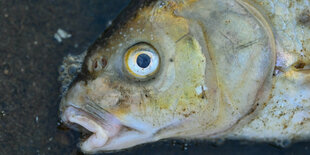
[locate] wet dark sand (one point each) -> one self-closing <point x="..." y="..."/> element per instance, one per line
<point x="29" y="90"/>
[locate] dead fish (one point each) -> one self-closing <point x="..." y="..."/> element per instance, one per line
<point x="194" y="69"/>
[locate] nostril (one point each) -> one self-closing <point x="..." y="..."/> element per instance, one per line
<point x="104" y="62"/>
<point x="96" y="65"/>
<point x="99" y="64"/>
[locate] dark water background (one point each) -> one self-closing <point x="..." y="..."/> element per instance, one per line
<point x="29" y="90"/>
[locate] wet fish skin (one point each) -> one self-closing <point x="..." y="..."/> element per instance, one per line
<point x="219" y="75"/>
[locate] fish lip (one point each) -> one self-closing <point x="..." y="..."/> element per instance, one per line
<point x="102" y="130"/>
<point x="106" y="137"/>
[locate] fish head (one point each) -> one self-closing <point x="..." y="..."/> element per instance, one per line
<point x="148" y="79"/>
<point x="125" y="102"/>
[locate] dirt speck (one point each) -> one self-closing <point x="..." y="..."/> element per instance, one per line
<point x="6" y="72"/>
<point x="304" y="18"/>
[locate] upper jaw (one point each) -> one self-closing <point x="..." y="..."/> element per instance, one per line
<point x="108" y="133"/>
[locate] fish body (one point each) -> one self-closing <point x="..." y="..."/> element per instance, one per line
<point x="195" y="69"/>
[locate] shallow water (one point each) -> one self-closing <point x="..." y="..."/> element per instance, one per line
<point x="29" y="90"/>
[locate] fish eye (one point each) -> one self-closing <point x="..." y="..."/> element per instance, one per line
<point x="141" y="60"/>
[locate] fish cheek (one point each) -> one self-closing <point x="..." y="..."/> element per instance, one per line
<point x="183" y="99"/>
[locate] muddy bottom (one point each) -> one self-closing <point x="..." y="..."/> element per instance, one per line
<point x="29" y="91"/>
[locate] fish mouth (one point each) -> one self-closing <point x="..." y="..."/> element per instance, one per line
<point x="107" y="132"/>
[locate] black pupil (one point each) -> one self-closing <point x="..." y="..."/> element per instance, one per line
<point x="143" y="60"/>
